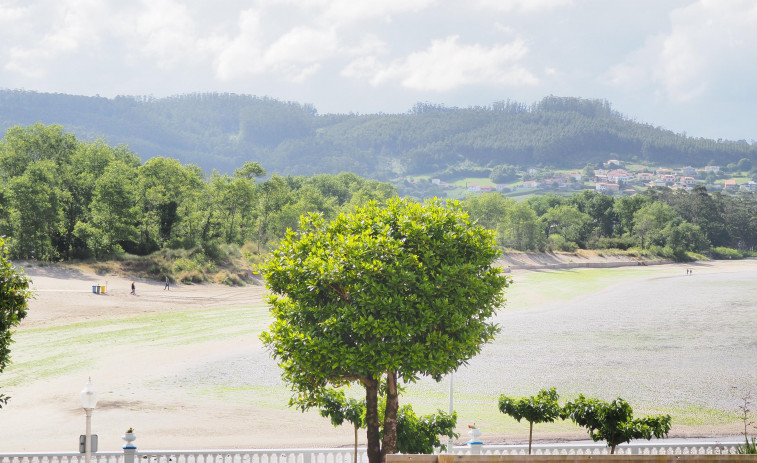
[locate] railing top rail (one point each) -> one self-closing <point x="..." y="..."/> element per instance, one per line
<point x="600" y="444"/>
<point x="588" y="445"/>
<point x="59" y="454"/>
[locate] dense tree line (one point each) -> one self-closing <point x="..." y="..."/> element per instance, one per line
<point x="61" y="198"/>
<point x="223" y="131"/>
<point x="668" y="222"/>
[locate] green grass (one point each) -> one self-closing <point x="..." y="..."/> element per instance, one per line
<point x="695" y="415"/>
<point x="485" y="410"/>
<point x="567" y="284"/>
<point x="482" y="181"/>
<point x="50" y="351"/>
<point x="259" y="396"/>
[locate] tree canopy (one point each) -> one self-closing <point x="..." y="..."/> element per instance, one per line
<point x="542" y="408"/>
<point x="386" y="293"/>
<point x="613" y="422"/>
<point x="61" y="199"/>
<point x="14" y="294"/>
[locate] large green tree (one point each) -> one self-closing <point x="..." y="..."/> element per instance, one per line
<point x="651" y="222"/>
<point x="385" y="294"/>
<point x="35" y="213"/>
<point x="568" y="222"/>
<point x="600" y="208"/>
<point x="521" y="229"/>
<point x="114" y="212"/>
<point x="489" y="209"/>
<point x="165" y="189"/>
<point x="14" y="294"/>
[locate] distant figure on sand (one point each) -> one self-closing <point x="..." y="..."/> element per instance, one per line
<point x="168" y="285"/>
<point x="133" y="288"/>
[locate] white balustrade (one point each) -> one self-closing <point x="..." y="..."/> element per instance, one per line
<point x="345" y="455"/>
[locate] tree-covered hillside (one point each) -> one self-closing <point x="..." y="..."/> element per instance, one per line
<point x="223" y="131"/>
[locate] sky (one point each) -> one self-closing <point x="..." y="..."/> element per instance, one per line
<point x="684" y="65"/>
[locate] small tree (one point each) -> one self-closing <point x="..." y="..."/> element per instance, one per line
<point x="14" y="294"/>
<point x="542" y="408"/>
<point x="381" y="296"/>
<point x="414" y="434"/>
<point x="613" y="422"/>
<point x="338" y="408"/>
<point x="420" y="434"/>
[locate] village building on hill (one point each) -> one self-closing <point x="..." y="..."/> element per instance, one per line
<point x="607" y="187"/>
<point x="748" y="186"/>
<point x="614" y="180"/>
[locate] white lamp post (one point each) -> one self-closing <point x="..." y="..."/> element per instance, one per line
<point x="451" y="409"/>
<point x="88" y="402"/>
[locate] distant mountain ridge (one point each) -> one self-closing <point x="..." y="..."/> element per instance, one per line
<point x="222" y="131"/>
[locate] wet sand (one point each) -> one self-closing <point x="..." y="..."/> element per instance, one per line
<point x="659" y="338"/>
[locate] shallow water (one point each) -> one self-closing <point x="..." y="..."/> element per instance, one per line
<point x="659" y="339"/>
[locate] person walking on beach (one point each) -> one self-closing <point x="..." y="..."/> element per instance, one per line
<point x="133" y="289"/>
<point x="168" y="285"/>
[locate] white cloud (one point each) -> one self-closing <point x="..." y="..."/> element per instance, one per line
<point x="303" y="45"/>
<point x="447" y="65"/>
<point x="298" y="53"/>
<point x="342" y="13"/>
<point x="243" y="54"/>
<point x="526" y="6"/>
<point x="369" y="45"/>
<point x="13" y="17"/>
<point x="69" y="28"/>
<point x="166" y="32"/>
<point x="329" y="30"/>
<point x="705" y="39"/>
<point x="295" y="55"/>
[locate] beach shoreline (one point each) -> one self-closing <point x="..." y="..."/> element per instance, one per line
<point x="44" y="413"/>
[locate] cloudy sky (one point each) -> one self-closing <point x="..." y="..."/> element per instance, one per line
<point x="688" y="66"/>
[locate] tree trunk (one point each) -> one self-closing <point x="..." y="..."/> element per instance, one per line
<point x="389" y="444"/>
<point x="372" y="421"/>
<point x="530" y="435"/>
<point x="356" y="428"/>
<point x="612" y="450"/>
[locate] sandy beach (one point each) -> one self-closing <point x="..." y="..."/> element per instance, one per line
<point x="184" y="367"/>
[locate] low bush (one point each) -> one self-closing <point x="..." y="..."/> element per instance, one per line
<point x="227" y="278"/>
<point x="723" y="253"/>
<point x="190" y="276"/>
<point x="186" y="265"/>
<point x="623" y="243"/>
<point x="559" y="243"/>
<point x="694" y="256"/>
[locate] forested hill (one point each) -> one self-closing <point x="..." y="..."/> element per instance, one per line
<point x="222" y="131"/>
